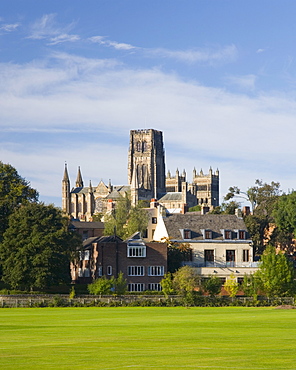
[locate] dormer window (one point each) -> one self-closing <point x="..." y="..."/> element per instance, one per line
<point x="208" y="234"/>
<point x="227" y="234"/>
<point x="187" y="234"/>
<point x="242" y="234"/>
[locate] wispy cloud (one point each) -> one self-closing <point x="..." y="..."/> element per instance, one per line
<point x="246" y="82"/>
<point x="9" y="27"/>
<point x="63" y="38"/>
<point x="225" y="54"/>
<point x="47" y="28"/>
<point x="102" y="40"/>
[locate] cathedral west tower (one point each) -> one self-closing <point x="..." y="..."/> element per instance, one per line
<point x="146" y="165"/>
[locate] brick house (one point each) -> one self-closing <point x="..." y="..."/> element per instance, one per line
<point x="142" y="264"/>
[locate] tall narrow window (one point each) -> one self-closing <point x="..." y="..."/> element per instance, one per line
<point x="109" y="270"/>
<point x="242" y="234"/>
<point x="209" y="257"/>
<point x="230" y="257"/>
<point x="246" y="255"/>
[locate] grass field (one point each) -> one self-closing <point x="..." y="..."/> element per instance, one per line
<point x="147" y="338"/>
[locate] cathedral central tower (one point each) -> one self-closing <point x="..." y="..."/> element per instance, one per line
<point x="146" y="165"/>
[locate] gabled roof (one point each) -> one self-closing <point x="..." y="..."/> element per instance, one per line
<point x="197" y="224"/>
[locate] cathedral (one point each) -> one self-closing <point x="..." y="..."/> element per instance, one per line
<point x="147" y="180"/>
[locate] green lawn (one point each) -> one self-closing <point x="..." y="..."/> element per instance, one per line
<point x="147" y="338"/>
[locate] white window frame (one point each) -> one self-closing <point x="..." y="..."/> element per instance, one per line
<point x="154" y="286"/>
<point x="136" y="271"/>
<point x="109" y="270"/>
<point x="155" y="270"/>
<point x="136" y="251"/>
<point x="136" y="287"/>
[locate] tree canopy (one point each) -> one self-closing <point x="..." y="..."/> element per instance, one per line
<point x="37" y="247"/>
<point x="125" y="220"/>
<point x="14" y="191"/>
<point x="263" y="197"/>
<point x="276" y="273"/>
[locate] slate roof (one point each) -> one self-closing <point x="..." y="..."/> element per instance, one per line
<point x="86" y="225"/>
<point x="100" y="239"/>
<point x="197" y="223"/>
<point x="171" y="196"/>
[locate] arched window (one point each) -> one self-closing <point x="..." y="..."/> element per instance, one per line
<point x="139" y="146"/>
<point x="144" y="146"/>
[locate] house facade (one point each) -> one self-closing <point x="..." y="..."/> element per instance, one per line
<point x="142" y="264"/>
<point x="221" y="244"/>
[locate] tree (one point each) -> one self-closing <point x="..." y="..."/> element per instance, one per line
<point x="100" y="286"/>
<point x="226" y="208"/>
<point x="251" y="285"/>
<point x="231" y="286"/>
<point x="14" y="191"/>
<point x="177" y="254"/>
<point x="261" y="193"/>
<point x="167" y="284"/>
<point x="137" y="221"/>
<point x="37" y="247"/>
<point x="276" y="273"/>
<point x="262" y="197"/>
<point x="284" y="214"/>
<point x="212" y="285"/>
<point x="126" y="220"/>
<point x="120" y="284"/>
<point x="185" y="280"/>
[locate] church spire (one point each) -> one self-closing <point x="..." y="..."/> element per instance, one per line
<point x="79" y="182"/>
<point x="66" y="176"/>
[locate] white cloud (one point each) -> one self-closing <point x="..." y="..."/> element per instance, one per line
<point x="46" y="27"/>
<point x="225" y="54"/>
<point x="246" y="82"/>
<point x="63" y="38"/>
<point x="249" y="136"/>
<point x="9" y="27"/>
<point x="102" y="40"/>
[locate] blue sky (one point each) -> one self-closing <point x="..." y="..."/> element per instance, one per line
<point x="216" y="76"/>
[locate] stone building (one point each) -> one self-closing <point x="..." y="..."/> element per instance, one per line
<point x="221" y="244"/>
<point x="146" y="181"/>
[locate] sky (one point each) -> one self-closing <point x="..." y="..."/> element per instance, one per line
<point x="218" y="77"/>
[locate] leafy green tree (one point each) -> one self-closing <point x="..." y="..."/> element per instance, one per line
<point x="226" y="208"/>
<point x="120" y="284"/>
<point x="194" y="209"/>
<point x="212" y="285"/>
<point x="37" y="247"/>
<point x="284" y="214"/>
<point x="261" y="193"/>
<point x="263" y="198"/>
<point x="137" y="221"/>
<point x="167" y="284"/>
<point x="177" y="254"/>
<point x="125" y="220"/>
<point x="251" y="285"/>
<point x="100" y="286"/>
<point x="185" y="280"/>
<point x="14" y="191"/>
<point x="231" y="286"/>
<point x="276" y="273"/>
